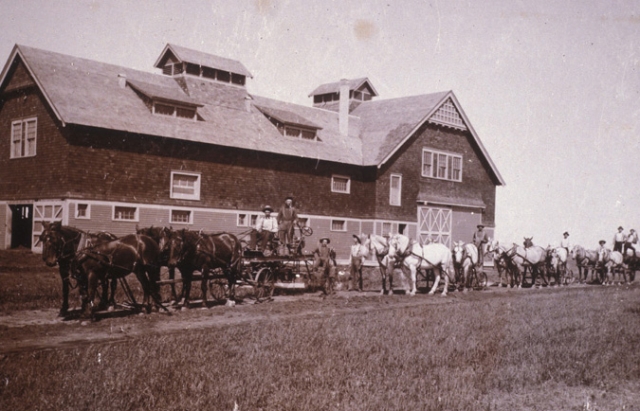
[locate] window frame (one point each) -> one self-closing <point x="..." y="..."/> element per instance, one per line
<point x="435" y="166"/>
<point x="172" y="221"/>
<point x="87" y="216"/>
<point x="136" y="214"/>
<point x="24" y="138"/>
<point x="398" y="195"/>
<point x="348" y="184"/>
<point x="337" y="220"/>
<point x="183" y="196"/>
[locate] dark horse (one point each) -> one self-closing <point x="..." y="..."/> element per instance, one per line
<point x="133" y="253"/>
<point x="191" y="251"/>
<point x="60" y="244"/>
<point x="161" y="236"/>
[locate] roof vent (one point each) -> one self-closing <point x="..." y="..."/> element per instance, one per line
<point x="122" y="80"/>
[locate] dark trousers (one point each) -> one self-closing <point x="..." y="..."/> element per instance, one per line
<point x="356" y="273"/>
<point x="264" y="237"/>
<point x="617" y="246"/>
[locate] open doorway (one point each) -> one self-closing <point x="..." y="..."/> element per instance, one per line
<point x="21" y="225"/>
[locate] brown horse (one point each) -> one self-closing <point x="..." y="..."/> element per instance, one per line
<point x="134" y="253"/>
<point x="161" y="236"/>
<point x="191" y="251"/>
<point x="60" y="244"/>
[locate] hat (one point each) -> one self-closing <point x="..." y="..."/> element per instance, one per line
<point x="620" y="228"/>
<point x="357" y="238"/>
<point x="289" y="197"/>
<point x="565" y="233"/>
<point x="325" y="238"/>
<point x="480" y="225"/>
<point x="602" y="242"/>
<point x="632" y="230"/>
<point x="267" y="207"/>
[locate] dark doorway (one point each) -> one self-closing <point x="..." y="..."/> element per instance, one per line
<point x="21" y="225"/>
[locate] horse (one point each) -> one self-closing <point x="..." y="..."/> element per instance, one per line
<point x="434" y="256"/>
<point x="531" y="256"/>
<point x="585" y="259"/>
<point x="60" y="244"/>
<point x="612" y="263"/>
<point x="133" y="253"/>
<point x="557" y="263"/>
<point x="500" y="262"/>
<point x="465" y="258"/>
<point x="161" y="236"/>
<point x="380" y="246"/>
<point x="191" y="251"/>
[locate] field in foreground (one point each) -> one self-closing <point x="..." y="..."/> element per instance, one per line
<point x="570" y="348"/>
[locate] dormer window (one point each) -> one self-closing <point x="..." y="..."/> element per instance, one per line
<point x="291" y="124"/>
<point x="175" y="111"/>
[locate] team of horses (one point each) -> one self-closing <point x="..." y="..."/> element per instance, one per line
<point x="101" y="259"/>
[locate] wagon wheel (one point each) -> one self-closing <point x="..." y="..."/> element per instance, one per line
<point x="263" y="285"/>
<point x="218" y="289"/>
<point x="306" y="231"/>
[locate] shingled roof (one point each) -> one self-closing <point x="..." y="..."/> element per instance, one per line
<point x="89" y="93"/>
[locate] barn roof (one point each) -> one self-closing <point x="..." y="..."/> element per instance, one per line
<point x="203" y="59"/>
<point x="353" y="84"/>
<point x="91" y="93"/>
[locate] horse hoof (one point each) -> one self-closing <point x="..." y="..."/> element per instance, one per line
<point x="230" y="303"/>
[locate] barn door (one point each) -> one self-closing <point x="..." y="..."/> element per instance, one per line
<point x="45" y="212"/>
<point x="434" y="224"/>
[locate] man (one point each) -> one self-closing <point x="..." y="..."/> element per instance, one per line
<point x="631" y="239"/>
<point x="618" y="240"/>
<point x="324" y="257"/>
<point x="358" y="252"/>
<point x="266" y="228"/>
<point x="287" y="220"/>
<point x="480" y="238"/>
<point x="565" y="243"/>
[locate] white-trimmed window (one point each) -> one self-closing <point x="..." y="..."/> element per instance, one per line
<point x="395" y="190"/>
<point x="171" y="110"/>
<point x="340" y="184"/>
<point x="185" y="186"/>
<point x="441" y="165"/>
<point x="23" y="137"/>
<point x="83" y="211"/>
<point x="125" y="213"/>
<point x="247" y="220"/>
<point x="338" y="225"/>
<point x="181" y="217"/>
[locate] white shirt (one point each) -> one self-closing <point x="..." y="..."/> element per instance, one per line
<point x="565" y="243"/>
<point x="269" y="223"/>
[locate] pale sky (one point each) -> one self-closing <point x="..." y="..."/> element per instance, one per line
<point x="552" y="87"/>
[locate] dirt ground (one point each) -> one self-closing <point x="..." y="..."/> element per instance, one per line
<point x="43" y="329"/>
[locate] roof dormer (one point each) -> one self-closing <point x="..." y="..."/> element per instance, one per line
<point x="180" y="61"/>
<point x="328" y="95"/>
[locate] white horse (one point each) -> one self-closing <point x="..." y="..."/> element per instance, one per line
<point x="558" y="263"/>
<point x="379" y="245"/>
<point x="499" y="256"/>
<point x="531" y="256"/>
<point x="613" y="264"/>
<point x="465" y="257"/>
<point x="433" y="256"/>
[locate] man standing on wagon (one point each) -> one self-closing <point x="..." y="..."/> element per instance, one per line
<point x="266" y="228"/>
<point x="618" y="240"/>
<point x="287" y="220"/>
<point x="479" y="240"/>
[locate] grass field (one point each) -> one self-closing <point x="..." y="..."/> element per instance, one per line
<point x="570" y="348"/>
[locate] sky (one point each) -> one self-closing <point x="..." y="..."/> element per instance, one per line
<point x="552" y="87"/>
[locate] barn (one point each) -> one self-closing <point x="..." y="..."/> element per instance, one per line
<point x="104" y="147"/>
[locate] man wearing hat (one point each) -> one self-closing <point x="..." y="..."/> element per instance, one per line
<point x="324" y="257"/>
<point x="287" y="220"/>
<point x="358" y="252"/>
<point x="266" y="228"/>
<point x="565" y="243"/>
<point x="601" y="248"/>
<point x="480" y="238"/>
<point x="618" y="240"/>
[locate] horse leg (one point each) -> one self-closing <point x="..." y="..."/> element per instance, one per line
<point x="446" y="279"/>
<point x="92" y="286"/>
<point x="187" y="276"/>
<point x="172" y="277"/>
<point x="383" y="276"/>
<point x="414" y="271"/>
<point x="64" y="276"/>
<point x="203" y="285"/>
<point x="436" y="272"/>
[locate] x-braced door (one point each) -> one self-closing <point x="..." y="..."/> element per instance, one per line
<point x="435" y="225"/>
<point x="45" y="212"/>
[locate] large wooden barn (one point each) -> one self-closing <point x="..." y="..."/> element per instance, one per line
<point x="103" y="147"/>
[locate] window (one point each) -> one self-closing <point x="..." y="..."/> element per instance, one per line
<point x="441" y="165"/>
<point x="181" y="216"/>
<point x="338" y="225"/>
<point x="387" y="228"/>
<point x="340" y="184"/>
<point x="185" y="186"/>
<point x="83" y="211"/>
<point x="395" y="190"/>
<point x="175" y="111"/>
<point x="299" y="133"/>
<point x="247" y="220"/>
<point x="121" y="213"/>
<point x="23" y="138"/>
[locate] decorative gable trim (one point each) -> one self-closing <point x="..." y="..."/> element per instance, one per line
<point x="448" y="116"/>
